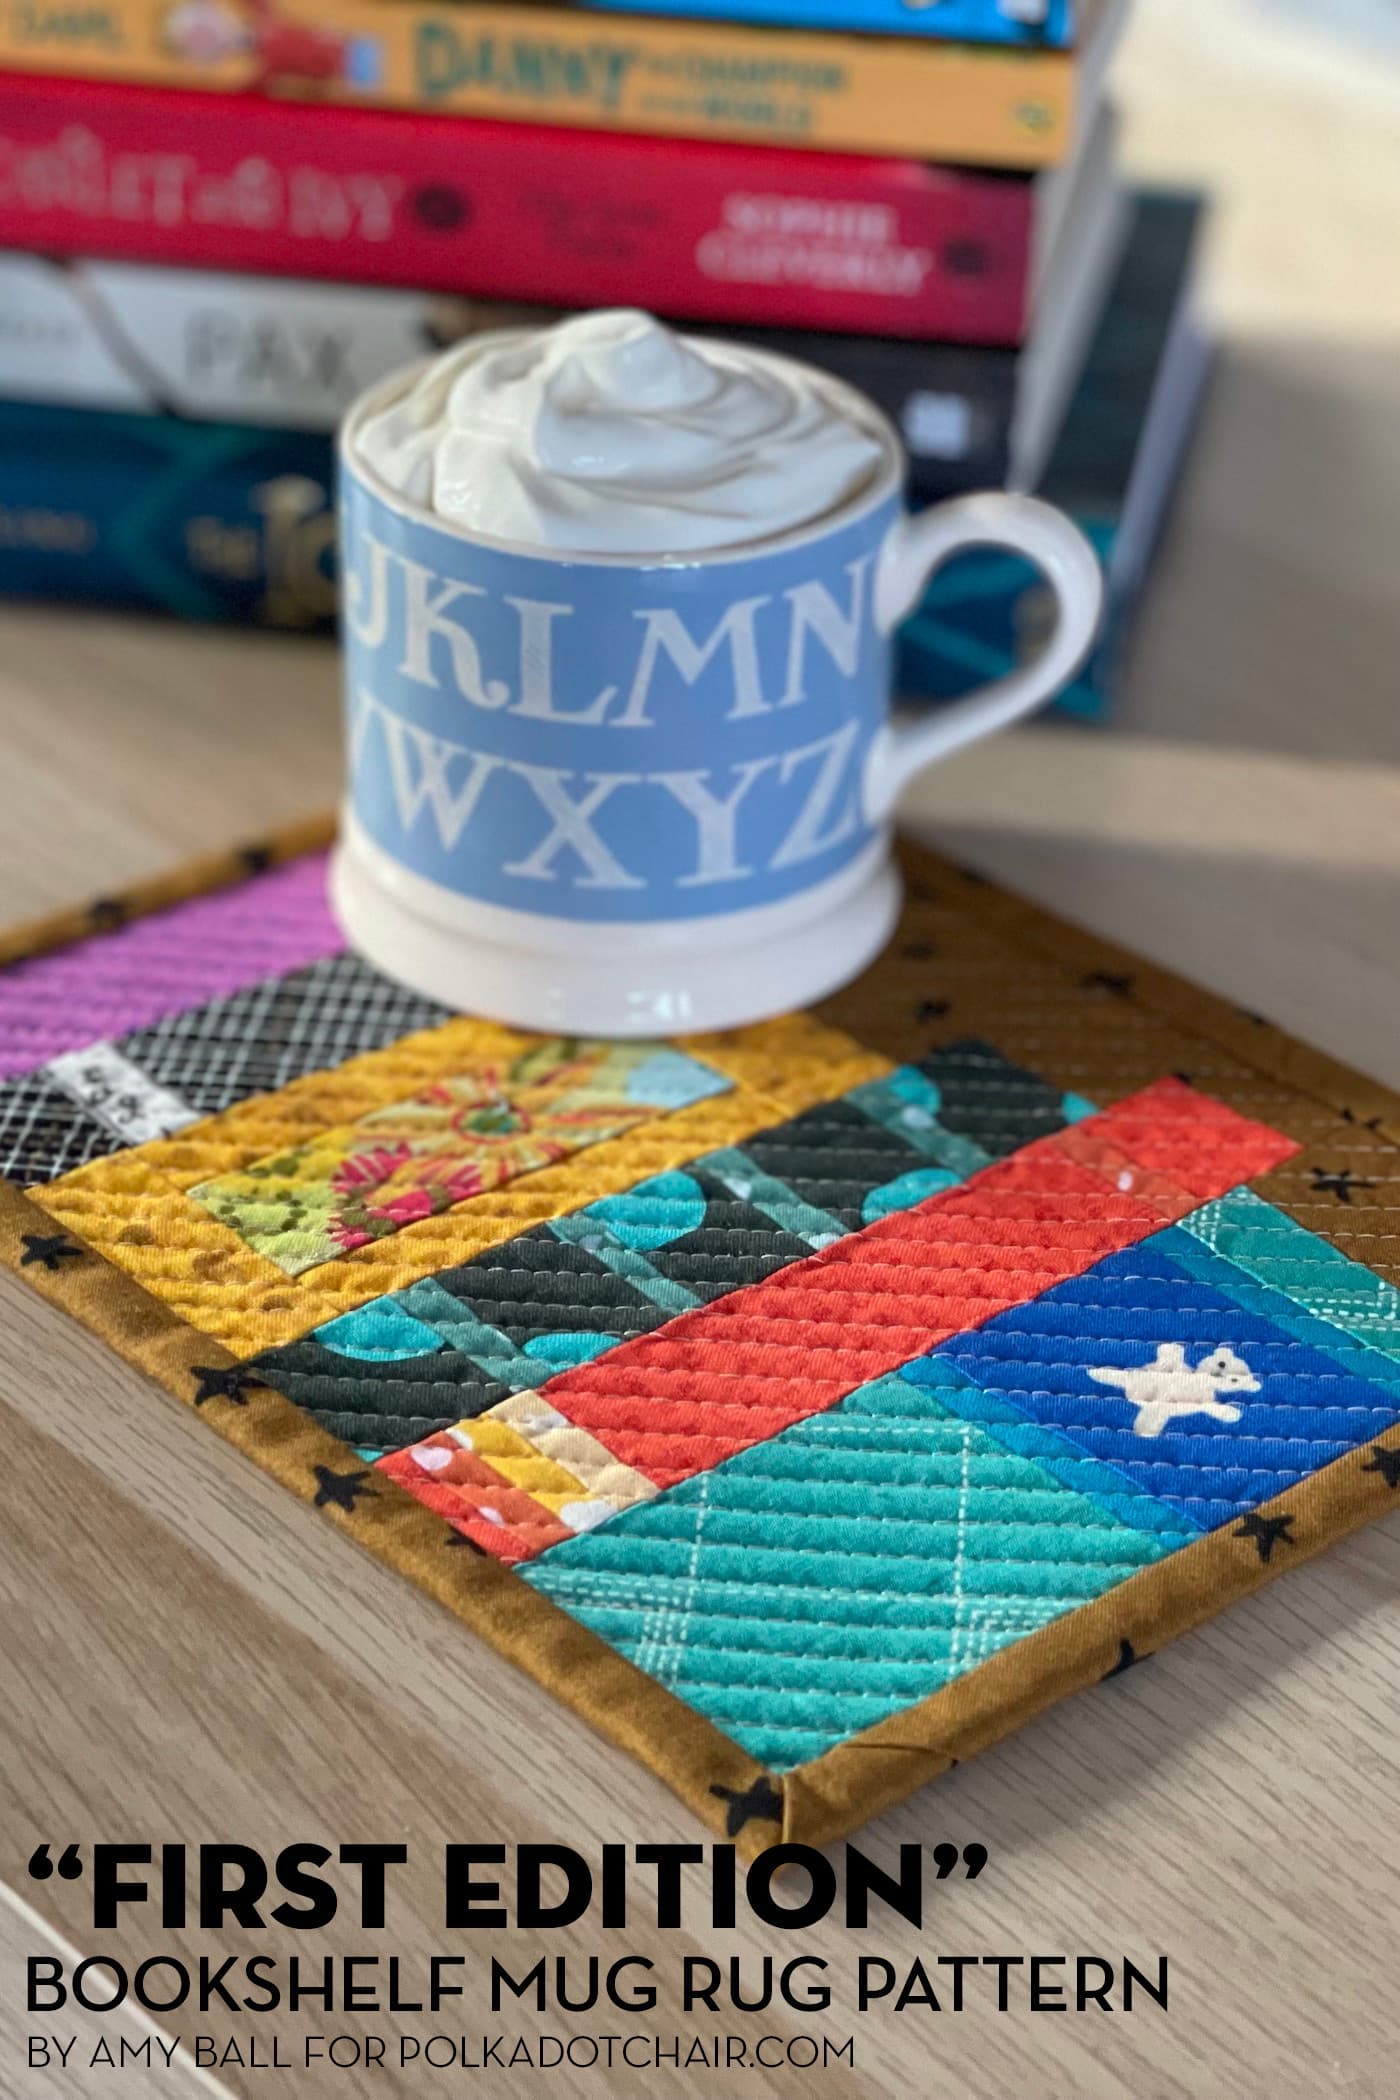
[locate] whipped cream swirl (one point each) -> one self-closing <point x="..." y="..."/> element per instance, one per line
<point x="608" y="434"/>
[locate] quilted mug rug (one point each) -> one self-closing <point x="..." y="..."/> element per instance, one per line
<point x="805" y="1406"/>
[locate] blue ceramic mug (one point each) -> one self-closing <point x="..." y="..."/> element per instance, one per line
<point x="613" y="795"/>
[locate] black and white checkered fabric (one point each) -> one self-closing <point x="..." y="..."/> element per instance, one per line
<point x="44" y="1133"/>
<point x="214" y="1055"/>
<point x="259" y="1039"/>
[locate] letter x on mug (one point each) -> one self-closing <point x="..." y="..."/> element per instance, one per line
<point x="618" y="795"/>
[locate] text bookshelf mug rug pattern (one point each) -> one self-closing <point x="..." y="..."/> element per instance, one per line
<point x="806" y="1406"/>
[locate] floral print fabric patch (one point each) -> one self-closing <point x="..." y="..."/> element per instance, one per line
<point x="457" y="1138"/>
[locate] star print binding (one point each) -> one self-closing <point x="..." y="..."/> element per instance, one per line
<point x="807" y="1406"/>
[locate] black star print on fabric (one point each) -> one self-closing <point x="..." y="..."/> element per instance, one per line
<point x="1128" y="1659"/>
<point x="1113" y="982"/>
<point x="49" y="1250"/>
<point x="760" y="1803"/>
<point x="255" y="858"/>
<point x="106" y="912"/>
<point x="1349" y="1115"/>
<point x="342" y="1489"/>
<point x="1387" y="1463"/>
<point x="1265" y="1532"/>
<point x="934" y="1009"/>
<point x="1339" y="1184"/>
<point x="231" y="1382"/>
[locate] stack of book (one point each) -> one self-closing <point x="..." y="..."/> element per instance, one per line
<point x="220" y="219"/>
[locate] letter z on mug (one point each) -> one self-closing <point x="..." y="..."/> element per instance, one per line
<point x="618" y="643"/>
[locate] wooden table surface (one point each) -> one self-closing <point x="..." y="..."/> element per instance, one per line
<point x="191" y="1654"/>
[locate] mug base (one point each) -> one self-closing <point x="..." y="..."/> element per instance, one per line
<point x="556" y="977"/>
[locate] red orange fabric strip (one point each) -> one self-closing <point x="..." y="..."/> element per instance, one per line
<point x="727" y="1375"/>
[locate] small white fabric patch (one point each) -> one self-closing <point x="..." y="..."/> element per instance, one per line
<point x="118" y="1093"/>
<point x="585" y="1516"/>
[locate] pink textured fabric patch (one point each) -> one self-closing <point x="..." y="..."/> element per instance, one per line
<point x="204" y="949"/>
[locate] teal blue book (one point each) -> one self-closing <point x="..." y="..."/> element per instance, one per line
<point x="1113" y="469"/>
<point x="1039" y="23"/>
<point x="205" y="521"/>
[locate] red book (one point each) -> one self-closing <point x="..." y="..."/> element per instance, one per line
<point x="697" y="229"/>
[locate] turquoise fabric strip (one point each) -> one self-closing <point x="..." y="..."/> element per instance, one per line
<point x="1275" y="1267"/>
<point x="845" y="1568"/>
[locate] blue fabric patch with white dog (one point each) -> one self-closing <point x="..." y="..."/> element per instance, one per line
<point x="1173" y="1382"/>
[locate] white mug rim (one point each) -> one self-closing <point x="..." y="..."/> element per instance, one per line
<point x="888" y="481"/>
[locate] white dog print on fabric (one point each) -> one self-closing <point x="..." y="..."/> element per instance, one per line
<point x="1168" y="1387"/>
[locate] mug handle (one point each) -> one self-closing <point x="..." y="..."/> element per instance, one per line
<point x="918" y="546"/>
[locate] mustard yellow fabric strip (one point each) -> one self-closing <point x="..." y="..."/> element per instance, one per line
<point x="459" y="1137"/>
<point x="137" y="1208"/>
